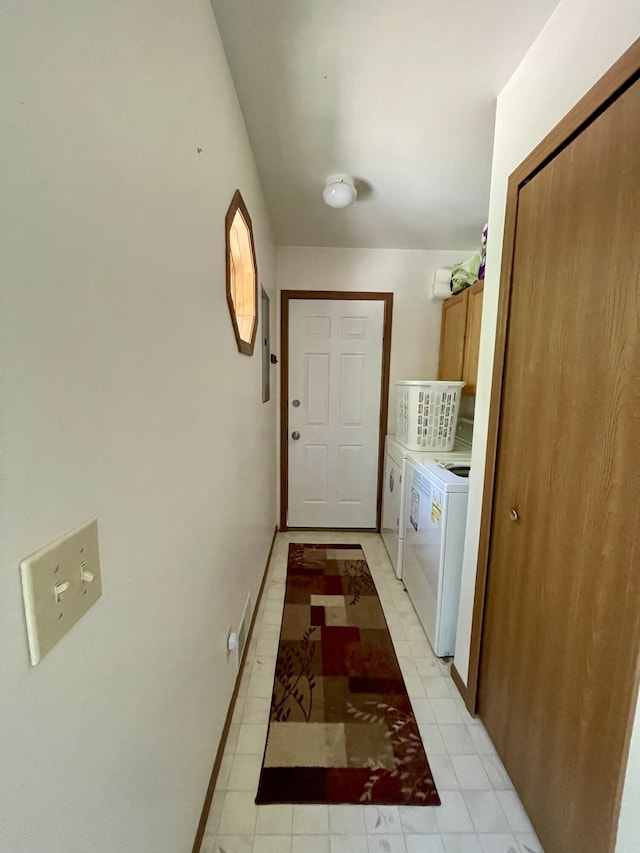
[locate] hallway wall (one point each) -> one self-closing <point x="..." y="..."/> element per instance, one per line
<point x="124" y="397"/>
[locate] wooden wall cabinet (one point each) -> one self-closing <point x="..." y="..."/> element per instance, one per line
<point x="460" y="337"/>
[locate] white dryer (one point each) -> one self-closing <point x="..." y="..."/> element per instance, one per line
<point x="435" y="517"/>
<point x="393" y="490"/>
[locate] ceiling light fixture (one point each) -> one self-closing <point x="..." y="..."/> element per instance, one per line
<point x="340" y="191"/>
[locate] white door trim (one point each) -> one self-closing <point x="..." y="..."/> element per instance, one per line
<point x="285" y="297"/>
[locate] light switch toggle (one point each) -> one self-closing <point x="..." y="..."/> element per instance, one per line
<point x="60" y="588"/>
<point x="85" y="575"/>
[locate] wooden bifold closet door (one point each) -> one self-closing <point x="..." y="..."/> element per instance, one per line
<point x="561" y="631"/>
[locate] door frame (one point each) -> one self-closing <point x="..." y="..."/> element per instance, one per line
<point x="285" y="297"/>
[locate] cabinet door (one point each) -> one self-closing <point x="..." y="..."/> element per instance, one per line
<point x="472" y="338"/>
<point x="454" y="319"/>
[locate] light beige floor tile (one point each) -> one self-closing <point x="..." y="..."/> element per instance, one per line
<point x="420" y="648"/>
<point x="486" y="812"/>
<point x="529" y="842"/>
<point x="224" y="771"/>
<point x="244" y="773"/>
<point x="443" y="773"/>
<point x="408" y="667"/>
<point x="260" y="686"/>
<point x="310" y="844"/>
<point x="424" y="844"/>
<point x="274" y="820"/>
<point x="264" y="665"/>
<point x="382" y="820"/>
<point x="445" y="711"/>
<point x="232" y="738"/>
<point x="453" y="815"/>
<point x="238" y="814"/>
<point x="481" y="740"/>
<point x="432" y="740"/>
<point x="436" y="687"/>
<point x="256" y="709"/>
<point x="311" y="819"/>
<point x="347" y="820"/>
<point x="386" y="844"/>
<point x="267" y="646"/>
<point x="213" y="821"/>
<point x="268" y="632"/>
<point x="348" y="844"/>
<point x="514" y="811"/>
<point x="415" y="688"/>
<point x="238" y="709"/>
<point x="272" y="844"/>
<point x="427" y="666"/>
<point x="402" y="649"/>
<point x="498" y="843"/>
<point x="233" y="844"/>
<point x="422" y="712"/>
<point x="466" y="717"/>
<point x="272" y="617"/>
<point x="471" y="773"/>
<point x="457" y="741"/>
<point x="462" y="843"/>
<point x="498" y="776"/>
<point x="414" y="632"/>
<point x="418" y="821"/>
<point x="251" y="739"/>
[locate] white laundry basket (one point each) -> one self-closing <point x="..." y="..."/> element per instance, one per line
<point x="427" y="414"/>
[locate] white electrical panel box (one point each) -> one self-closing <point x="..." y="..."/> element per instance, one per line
<point x="60" y="582"/>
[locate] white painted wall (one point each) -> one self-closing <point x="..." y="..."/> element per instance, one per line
<point x="124" y="396"/>
<point x="407" y="273"/>
<point x="582" y="39"/>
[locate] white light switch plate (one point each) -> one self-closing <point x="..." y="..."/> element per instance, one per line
<point x="60" y="582"/>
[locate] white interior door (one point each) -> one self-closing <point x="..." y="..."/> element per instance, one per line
<point x="335" y="372"/>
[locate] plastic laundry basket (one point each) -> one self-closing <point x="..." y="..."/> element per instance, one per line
<point x="427" y="414"/>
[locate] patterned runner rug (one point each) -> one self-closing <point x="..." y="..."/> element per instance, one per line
<point x="341" y="728"/>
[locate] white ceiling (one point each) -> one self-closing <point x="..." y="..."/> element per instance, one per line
<point x="400" y="94"/>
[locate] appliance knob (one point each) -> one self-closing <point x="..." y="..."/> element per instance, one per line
<point x="295" y="435"/>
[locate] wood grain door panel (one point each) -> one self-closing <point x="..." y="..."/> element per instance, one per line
<point x="561" y="630"/>
<point x="454" y="321"/>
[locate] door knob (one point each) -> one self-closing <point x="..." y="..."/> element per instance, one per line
<point x="513" y="515"/>
<point x="295" y="404"/>
<point x="295" y="435"/>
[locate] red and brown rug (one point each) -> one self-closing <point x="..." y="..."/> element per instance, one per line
<point x="341" y="728"/>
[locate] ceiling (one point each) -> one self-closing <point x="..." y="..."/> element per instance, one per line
<point x="399" y="94"/>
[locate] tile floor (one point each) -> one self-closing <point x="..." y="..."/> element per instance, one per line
<point x="480" y="811"/>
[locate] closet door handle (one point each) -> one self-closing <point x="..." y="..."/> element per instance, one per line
<point x="295" y="435"/>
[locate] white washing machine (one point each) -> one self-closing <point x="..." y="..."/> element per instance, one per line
<point x="393" y="492"/>
<point x="435" y="517"/>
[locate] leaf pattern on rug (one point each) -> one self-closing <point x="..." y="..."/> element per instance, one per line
<point x="401" y="729"/>
<point x="294" y="682"/>
<point x="359" y="579"/>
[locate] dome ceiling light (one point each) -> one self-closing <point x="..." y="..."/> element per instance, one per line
<point x="340" y="191"/>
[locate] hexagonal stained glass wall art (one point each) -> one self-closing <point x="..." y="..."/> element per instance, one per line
<point x="242" y="274"/>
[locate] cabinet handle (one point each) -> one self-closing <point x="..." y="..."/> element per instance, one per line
<point x="513" y="515"/>
<point x="295" y="435"/>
